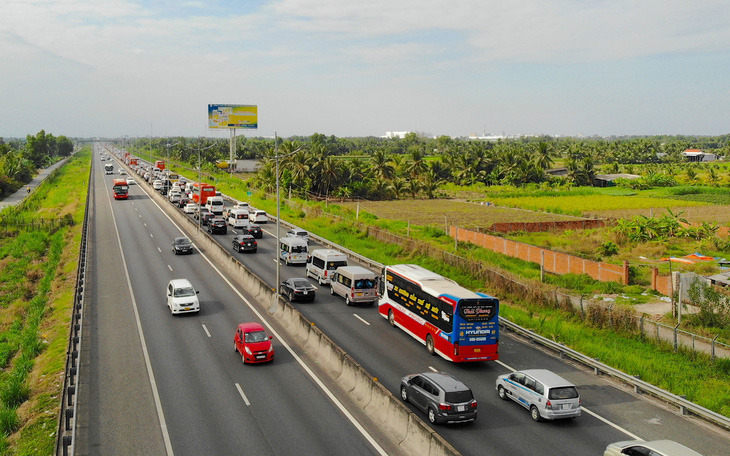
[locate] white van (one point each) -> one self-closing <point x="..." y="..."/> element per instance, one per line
<point x="322" y="263"/>
<point x="238" y="218"/>
<point x="545" y="394"/>
<point x="257" y="216"/>
<point x="355" y="284"/>
<point x="293" y="250"/>
<point x="215" y="205"/>
<point x="108" y="168"/>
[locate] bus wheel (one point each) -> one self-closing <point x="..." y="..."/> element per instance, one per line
<point x="429" y="344"/>
<point x="391" y="318"/>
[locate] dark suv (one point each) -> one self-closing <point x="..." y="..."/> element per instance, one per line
<point x="244" y="243"/>
<point x="444" y="398"/>
<point x="217" y="225"/>
<point x="206" y="217"/>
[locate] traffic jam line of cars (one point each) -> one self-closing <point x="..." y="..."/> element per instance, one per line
<point x="439" y="395"/>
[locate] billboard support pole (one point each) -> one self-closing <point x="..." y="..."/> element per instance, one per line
<point x="232" y="151"/>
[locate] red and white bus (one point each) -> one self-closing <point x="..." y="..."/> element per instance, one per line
<point x="120" y="189"/>
<point x="201" y="192"/>
<point x="453" y="322"/>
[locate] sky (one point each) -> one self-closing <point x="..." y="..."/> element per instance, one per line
<point x="112" y="68"/>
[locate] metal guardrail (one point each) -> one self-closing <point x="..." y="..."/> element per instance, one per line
<point x="685" y="407"/>
<point x="66" y="432"/>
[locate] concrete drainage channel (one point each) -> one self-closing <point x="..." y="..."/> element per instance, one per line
<point x="406" y="429"/>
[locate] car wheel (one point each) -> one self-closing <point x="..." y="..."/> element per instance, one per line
<point x="347" y="301"/>
<point x="319" y="280"/>
<point x="431" y="416"/>
<point x="404" y="393"/>
<point x="502" y="393"/>
<point x="174" y="251"/>
<point x="235" y="349"/>
<point x="254" y="250"/>
<point x="535" y="413"/>
<point x="391" y="318"/>
<point x="291" y="297"/>
<point x="429" y="344"/>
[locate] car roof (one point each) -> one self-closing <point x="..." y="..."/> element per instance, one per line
<point x="182" y="238"/>
<point x="250" y="326"/>
<point x="179" y="283"/>
<point x="243" y="236"/>
<point x="668" y="447"/>
<point x="551" y="379"/>
<point x="446" y="381"/>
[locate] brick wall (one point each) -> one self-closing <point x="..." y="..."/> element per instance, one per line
<point x="554" y="262"/>
<point x="508" y="227"/>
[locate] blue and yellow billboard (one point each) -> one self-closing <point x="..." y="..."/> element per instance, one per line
<point x="232" y="116"/>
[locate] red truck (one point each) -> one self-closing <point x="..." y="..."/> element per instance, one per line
<point x="120" y="189"/>
<point x="133" y="161"/>
<point x="159" y="164"/>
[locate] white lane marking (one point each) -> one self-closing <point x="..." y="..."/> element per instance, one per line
<point x="240" y="391"/>
<point x="145" y="351"/>
<point x="360" y="318"/>
<point x="205" y="328"/>
<point x="143" y="223"/>
<point x="169" y="267"/>
<point x="139" y="215"/>
<point x="151" y="235"/>
<point x="159" y="249"/>
<point x="299" y="360"/>
<point x="433" y="369"/>
<point x="583" y="407"/>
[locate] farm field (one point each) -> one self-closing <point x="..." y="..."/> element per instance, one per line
<point x="460" y="213"/>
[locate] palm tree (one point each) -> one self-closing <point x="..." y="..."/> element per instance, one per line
<point x="397" y="186"/>
<point x="382" y="166"/>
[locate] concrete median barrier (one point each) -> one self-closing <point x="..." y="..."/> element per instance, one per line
<point x="404" y="428"/>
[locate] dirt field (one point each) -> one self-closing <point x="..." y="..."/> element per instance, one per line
<point x="695" y="214"/>
<point x="460" y="213"/>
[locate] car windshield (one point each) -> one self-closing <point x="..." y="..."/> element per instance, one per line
<point x="456" y="397"/>
<point x="255" y="336"/>
<point x="298" y="249"/>
<point x="184" y="292"/>
<point x="564" y="392"/>
<point x="182" y="241"/>
<point x="300" y="283"/>
<point x="364" y="284"/>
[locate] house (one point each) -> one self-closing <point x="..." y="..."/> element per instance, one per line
<point x="696" y="155"/>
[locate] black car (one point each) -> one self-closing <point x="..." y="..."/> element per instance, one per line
<point x="206" y="218"/>
<point x="217" y="225"/>
<point x="182" y="245"/>
<point x="183" y="202"/>
<point x="199" y="211"/>
<point x="297" y="289"/>
<point x="255" y="231"/>
<point x="244" y="243"/>
<point x="441" y="395"/>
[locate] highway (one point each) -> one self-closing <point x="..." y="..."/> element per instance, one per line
<point x="153" y="383"/>
<point x="188" y="361"/>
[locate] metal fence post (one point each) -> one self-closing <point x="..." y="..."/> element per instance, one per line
<point x="675" y="337"/>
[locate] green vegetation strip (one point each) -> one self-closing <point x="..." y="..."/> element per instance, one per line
<point x="37" y="269"/>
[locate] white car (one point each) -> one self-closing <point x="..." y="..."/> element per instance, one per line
<point x="545" y="394"/>
<point x="297" y="232"/>
<point x="653" y="448"/>
<point x="182" y="297"/>
<point x="131" y="181"/>
<point x="157" y="185"/>
<point x="190" y="208"/>
<point x="122" y="172"/>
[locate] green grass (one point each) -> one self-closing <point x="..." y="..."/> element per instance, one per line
<point x="35" y="313"/>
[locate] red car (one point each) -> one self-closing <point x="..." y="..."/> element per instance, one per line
<point x="253" y="343"/>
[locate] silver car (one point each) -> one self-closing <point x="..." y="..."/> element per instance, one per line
<point x="653" y="448"/>
<point x="545" y="394"/>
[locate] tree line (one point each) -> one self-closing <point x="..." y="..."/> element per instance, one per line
<point x="414" y="166"/>
<point x="20" y="159"/>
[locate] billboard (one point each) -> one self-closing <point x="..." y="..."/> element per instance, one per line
<point x="232" y="116"/>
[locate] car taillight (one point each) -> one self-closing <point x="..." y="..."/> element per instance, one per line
<point x="325" y="273"/>
<point x="444" y="407"/>
<point x="473" y="404"/>
<point x="548" y="405"/>
<point x="255" y="243"/>
<point x="352" y="292"/>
